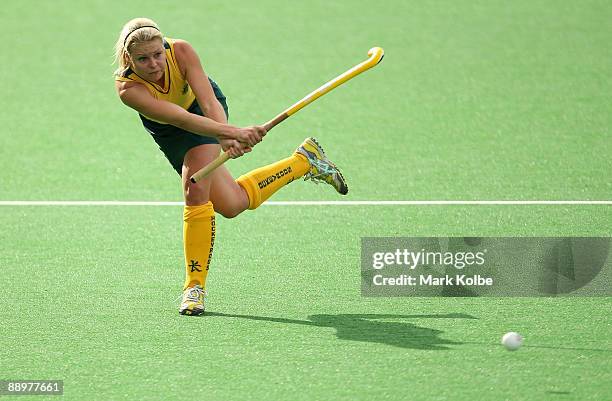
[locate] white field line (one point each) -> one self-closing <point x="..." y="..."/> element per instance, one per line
<point x="321" y="203"/>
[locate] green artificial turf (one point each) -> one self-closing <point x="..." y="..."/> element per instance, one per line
<point x="475" y="100"/>
<point x="285" y="316"/>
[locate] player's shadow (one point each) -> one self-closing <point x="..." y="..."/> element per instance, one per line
<point x="375" y="328"/>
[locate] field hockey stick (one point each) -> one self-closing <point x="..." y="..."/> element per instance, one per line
<point x="375" y="54"/>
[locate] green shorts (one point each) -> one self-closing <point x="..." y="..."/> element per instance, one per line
<point x="175" y="142"/>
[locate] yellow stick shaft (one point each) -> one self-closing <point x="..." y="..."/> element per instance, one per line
<point x="210" y="167"/>
<point x="375" y="54"/>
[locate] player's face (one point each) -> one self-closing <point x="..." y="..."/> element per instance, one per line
<point x="149" y="60"/>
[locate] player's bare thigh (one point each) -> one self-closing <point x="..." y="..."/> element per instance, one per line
<point x="228" y="197"/>
<point x="196" y="158"/>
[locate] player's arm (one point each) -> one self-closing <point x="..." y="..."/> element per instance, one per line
<point x="137" y="97"/>
<point x="194" y="74"/>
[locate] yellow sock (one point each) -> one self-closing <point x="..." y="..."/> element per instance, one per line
<point x="263" y="182"/>
<point x="198" y="238"/>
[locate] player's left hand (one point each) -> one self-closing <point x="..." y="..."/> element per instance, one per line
<point x="251" y="135"/>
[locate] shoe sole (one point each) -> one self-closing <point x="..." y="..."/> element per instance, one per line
<point x="188" y="312"/>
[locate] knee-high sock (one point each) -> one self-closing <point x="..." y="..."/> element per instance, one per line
<point x="198" y="239"/>
<point x="263" y="182"/>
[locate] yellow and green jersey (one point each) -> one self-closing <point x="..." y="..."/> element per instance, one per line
<point x="175" y="90"/>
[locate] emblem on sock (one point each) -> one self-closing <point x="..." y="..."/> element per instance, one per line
<point x="194" y="266"/>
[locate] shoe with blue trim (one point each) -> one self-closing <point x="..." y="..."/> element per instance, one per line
<point x="321" y="168"/>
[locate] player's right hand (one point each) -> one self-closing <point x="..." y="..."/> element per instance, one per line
<point x="234" y="148"/>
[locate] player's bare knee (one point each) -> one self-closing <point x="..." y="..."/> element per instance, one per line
<point x="196" y="194"/>
<point x="229" y="213"/>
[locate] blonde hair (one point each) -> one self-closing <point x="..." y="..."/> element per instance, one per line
<point x="134" y="31"/>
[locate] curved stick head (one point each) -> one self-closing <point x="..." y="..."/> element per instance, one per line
<point x="376" y="54"/>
